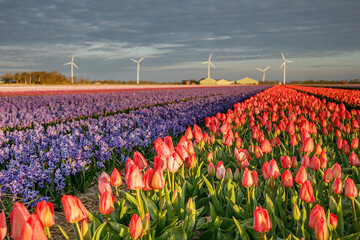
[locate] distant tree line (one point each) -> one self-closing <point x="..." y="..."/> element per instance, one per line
<point x="40" y="78"/>
<point x="351" y="81"/>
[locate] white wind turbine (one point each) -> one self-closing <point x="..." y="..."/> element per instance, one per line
<point x="138" y="68"/>
<point x="209" y="63"/>
<point x="263" y="72"/>
<point x="284" y="65"/>
<point x="72" y="64"/>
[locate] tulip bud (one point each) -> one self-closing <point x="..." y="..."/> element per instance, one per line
<point x="337" y="186"/>
<point x="174" y="198"/>
<point x="211" y="169"/>
<point x="264" y="170"/>
<point x="266" y="146"/>
<point x="287" y="179"/>
<point x="212" y="139"/>
<point x="273" y="169"/>
<point x="314" y="163"/>
<point x="115" y="178"/>
<point x="191" y="149"/>
<point x="333" y="220"/>
<point x="135" y="181"/>
<point x="255" y="178"/>
<point x="189" y="207"/>
<point x="229" y="174"/>
<point x="3" y="226"/>
<point x="33" y="229"/>
<point x="332" y="204"/>
<point x="238" y="142"/>
<point x="307" y="192"/>
<point x="220" y="170"/>
<point x="85" y="230"/>
<point x="139" y="160"/>
<point x="285" y="162"/>
<point x="247" y="180"/>
<point x="301" y="175"/>
<point x="106" y="204"/>
<point x="146" y="223"/>
<point x="158" y="179"/>
<point x="296" y="212"/>
<point x="236" y="175"/>
<point x="354" y="159"/>
<point x="188" y="133"/>
<point x="45" y="212"/>
<point x="136" y="229"/>
<point x="336" y="171"/>
<point x="210" y="157"/>
<point x="350" y="188"/>
<point x="355" y="143"/>
<point x="74" y="210"/>
<point x="294" y="162"/>
<point x="104" y="183"/>
<point x="258" y="152"/>
<point x="328" y="176"/>
<point x="316" y="213"/>
<point x="190" y="162"/>
<point x="293" y="140"/>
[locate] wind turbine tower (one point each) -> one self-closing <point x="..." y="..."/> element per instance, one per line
<point x="284" y="66"/>
<point x="209" y="63"/>
<point x="138" y="68"/>
<point x="263" y="72"/>
<point x="72" y="65"/>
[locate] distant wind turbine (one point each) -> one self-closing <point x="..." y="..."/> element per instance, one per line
<point x="209" y="63"/>
<point x="138" y="68"/>
<point x="263" y="72"/>
<point x="72" y="65"/>
<point x="284" y="65"/>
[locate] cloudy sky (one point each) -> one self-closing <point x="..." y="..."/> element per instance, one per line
<point x="322" y="37"/>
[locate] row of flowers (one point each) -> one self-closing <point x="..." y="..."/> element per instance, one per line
<point x="346" y="96"/>
<point x="281" y="164"/>
<point x="29" y="111"/>
<point x="66" y="157"/>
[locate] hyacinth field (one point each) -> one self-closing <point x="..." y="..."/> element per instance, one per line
<point x="245" y="162"/>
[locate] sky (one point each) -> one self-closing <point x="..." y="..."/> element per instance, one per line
<point x="322" y="37"/>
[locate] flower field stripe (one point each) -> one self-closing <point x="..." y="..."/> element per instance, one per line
<point x="43" y="160"/>
<point x="29" y="111"/>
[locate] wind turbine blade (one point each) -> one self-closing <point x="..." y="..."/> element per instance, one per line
<point x="267" y="68"/>
<point x="75" y="65"/>
<point x="212" y="65"/>
<point x="289" y="61"/>
<point x="282" y="64"/>
<point x="133" y="60"/>
<point x="210" y="56"/>
<point x="283" y="56"/>
<point x="72" y="59"/>
<point x="205" y="62"/>
<point x="141" y="59"/>
<point x="67" y="63"/>
<point x="259" y="69"/>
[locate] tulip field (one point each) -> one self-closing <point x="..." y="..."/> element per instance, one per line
<point x="244" y="162"/>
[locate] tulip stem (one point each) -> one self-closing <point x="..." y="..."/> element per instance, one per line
<point x="139" y="203"/>
<point x="47" y="231"/>
<point x="187" y="224"/>
<point x="78" y="230"/>
<point x="173" y="183"/>
<point x="248" y="195"/>
<point x="159" y="200"/>
<point x="117" y="195"/>
<point x="264" y="236"/>
<point x="286" y="198"/>
<point x="354" y="211"/>
<point x="212" y="180"/>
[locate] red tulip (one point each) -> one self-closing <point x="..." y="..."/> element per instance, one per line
<point x="314" y="163"/>
<point x="238" y="142"/>
<point x="33" y="229"/>
<point x="258" y="152"/>
<point x="220" y="170"/>
<point x="160" y="161"/>
<point x="285" y="162"/>
<point x="355" y="143"/>
<point x="308" y="145"/>
<point x="106" y="204"/>
<point x="229" y="174"/>
<point x="318" y="149"/>
<point x="293" y="140"/>
<point x="129" y="163"/>
<point x="45" y="212"/>
<point x="198" y="135"/>
<point x="3" y="225"/>
<point x="148" y="179"/>
<point x="190" y="162"/>
<point x="266" y="146"/>
<point x="337" y="186"/>
<point x="321" y="230"/>
<point x="305" y="161"/>
<point x="191" y="149"/>
<point x="182" y="151"/>
<point x="158" y="179"/>
<point x="162" y="148"/>
<point x="136" y="229"/>
<point x="228" y="139"/>
<point x="104" y="183"/>
<point x="287" y="179"/>
<point x="115" y="178"/>
<point x="241" y="156"/>
<point x="135" y="181"/>
<point x="236" y="175"/>
<point x="169" y="143"/>
<point x="354" y="159"/>
<point x="188" y="133"/>
<point x="350" y="188"/>
<point x="247" y="180"/>
<point x="210" y="157"/>
<point x="273" y="169"/>
<point x="18" y="218"/>
<point x="173" y="163"/>
<point x="307" y="192"/>
<point x="316" y="213"/>
<point x="139" y="160"/>
<point x="336" y="171"/>
<point x="74" y="210"/>
<point x="275" y="142"/>
<point x="328" y="176"/>
<point x="339" y="143"/>
<point x="254" y="176"/>
<point x="264" y="170"/>
<point x="346" y="148"/>
<point x="262" y="221"/>
<point x="333" y="220"/>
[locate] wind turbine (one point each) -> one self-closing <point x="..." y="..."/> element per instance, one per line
<point x="138" y="68"/>
<point x="72" y="64"/>
<point x="284" y="65"/>
<point x="209" y="63"/>
<point x="263" y="72"/>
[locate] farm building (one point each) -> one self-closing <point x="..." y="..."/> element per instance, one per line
<point x="224" y="82"/>
<point x="207" y="81"/>
<point x="247" y="81"/>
